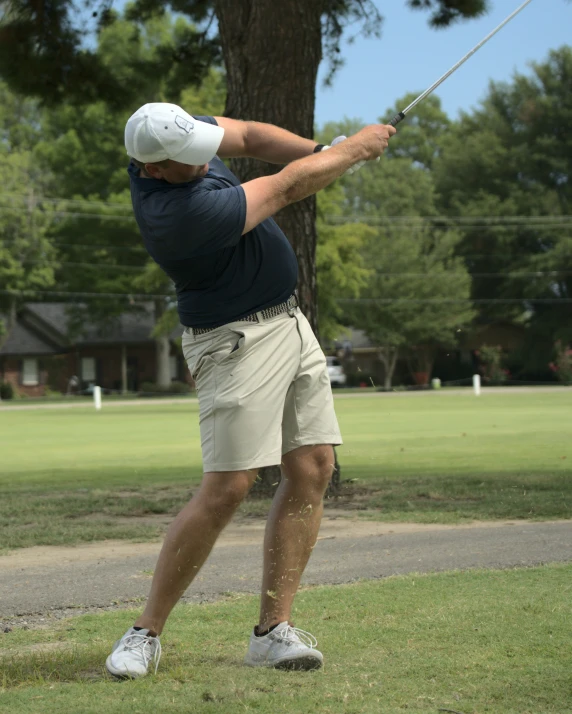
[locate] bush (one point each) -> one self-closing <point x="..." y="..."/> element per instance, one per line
<point x="490" y="358"/>
<point x="154" y="389"/>
<point x="562" y="366"/>
<point x="356" y="379"/>
<point x="52" y="393"/>
<point x="6" y="390"/>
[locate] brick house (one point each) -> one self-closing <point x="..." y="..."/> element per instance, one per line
<point x="37" y="353"/>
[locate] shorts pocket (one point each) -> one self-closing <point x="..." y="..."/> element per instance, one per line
<point x="229" y="347"/>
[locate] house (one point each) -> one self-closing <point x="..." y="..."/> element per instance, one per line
<point x="38" y="352"/>
<point x="363" y="366"/>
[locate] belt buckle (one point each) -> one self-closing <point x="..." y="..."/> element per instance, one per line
<point x="292" y="305"/>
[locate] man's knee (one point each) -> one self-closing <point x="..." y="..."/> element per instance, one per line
<point x="311" y="465"/>
<point x="223" y="492"/>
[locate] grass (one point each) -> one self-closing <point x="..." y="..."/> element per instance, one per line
<point x="76" y="475"/>
<point x="472" y="642"/>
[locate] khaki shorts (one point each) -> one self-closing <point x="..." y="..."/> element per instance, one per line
<point x="263" y="390"/>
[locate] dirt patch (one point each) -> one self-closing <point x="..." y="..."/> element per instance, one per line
<point x="237" y="534"/>
<point x="41" y="648"/>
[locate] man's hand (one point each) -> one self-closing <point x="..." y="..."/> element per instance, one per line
<point x="269" y="194"/>
<point x="384" y="136"/>
<point x="374" y="138"/>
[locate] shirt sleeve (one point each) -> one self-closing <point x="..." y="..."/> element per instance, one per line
<point x="213" y="219"/>
<point x="207" y="120"/>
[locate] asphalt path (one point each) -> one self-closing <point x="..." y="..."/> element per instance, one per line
<point x="43" y="583"/>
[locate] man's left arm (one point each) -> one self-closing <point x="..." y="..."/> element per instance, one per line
<point x="261" y="141"/>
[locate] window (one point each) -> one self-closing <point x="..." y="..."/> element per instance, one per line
<point x="88" y="369"/>
<point x="173" y="367"/>
<point x="30" y="372"/>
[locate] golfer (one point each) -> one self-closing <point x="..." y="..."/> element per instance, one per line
<point x="261" y="376"/>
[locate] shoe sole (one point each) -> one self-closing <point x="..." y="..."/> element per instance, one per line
<point x="302" y="664"/>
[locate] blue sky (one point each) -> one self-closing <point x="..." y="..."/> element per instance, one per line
<point x="410" y="56"/>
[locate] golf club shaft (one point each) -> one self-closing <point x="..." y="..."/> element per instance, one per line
<point x="399" y="117"/>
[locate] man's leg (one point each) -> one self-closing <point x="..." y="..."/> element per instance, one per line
<point x="292" y="528"/>
<point x="189" y="541"/>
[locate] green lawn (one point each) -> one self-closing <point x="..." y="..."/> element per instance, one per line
<point x="473" y="642"/>
<point x="71" y="475"/>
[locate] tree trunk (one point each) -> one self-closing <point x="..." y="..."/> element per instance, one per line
<point x="123" y="369"/>
<point x="163" y="351"/>
<point x="7" y="325"/>
<point x="388" y="355"/>
<point x="269" y="83"/>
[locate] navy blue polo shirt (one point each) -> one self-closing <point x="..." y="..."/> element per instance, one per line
<point x="194" y="232"/>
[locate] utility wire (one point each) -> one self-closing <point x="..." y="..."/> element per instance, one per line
<point x="356" y="217"/>
<point x="453" y="301"/>
<point x="100" y="246"/>
<point x="143" y="296"/>
<point x="140" y="268"/>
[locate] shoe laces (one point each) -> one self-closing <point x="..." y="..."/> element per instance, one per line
<point x="294" y="634"/>
<point x="147" y="647"/>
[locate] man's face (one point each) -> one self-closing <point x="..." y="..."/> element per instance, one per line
<point x="175" y="172"/>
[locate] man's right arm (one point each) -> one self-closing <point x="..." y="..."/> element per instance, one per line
<point x="269" y="194"/>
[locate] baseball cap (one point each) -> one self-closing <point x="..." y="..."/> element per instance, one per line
<point x="160" y="131"/>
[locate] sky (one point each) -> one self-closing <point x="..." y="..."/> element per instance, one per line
<point x="410" y="56"/>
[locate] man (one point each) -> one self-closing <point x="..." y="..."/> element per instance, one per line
<point x="263" y="386"/>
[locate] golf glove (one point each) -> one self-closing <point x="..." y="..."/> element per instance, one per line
<point x="355" y="167"/>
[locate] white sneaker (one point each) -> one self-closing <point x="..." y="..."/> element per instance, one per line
<point x="131" y="655"/>
<point x="285" y="647"/>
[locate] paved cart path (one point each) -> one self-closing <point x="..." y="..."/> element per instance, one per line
<point x="42" y="583"/>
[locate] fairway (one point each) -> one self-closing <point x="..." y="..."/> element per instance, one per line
<point x="73" y="475"/>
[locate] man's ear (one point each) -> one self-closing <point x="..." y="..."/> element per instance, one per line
<point x="153" y="170"/>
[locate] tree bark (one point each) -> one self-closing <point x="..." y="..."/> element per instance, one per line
<point x="124" y="369"/>
<point x="163" y="350"/>
<point x="268" y="82"/>
<point x="271" y="53"/>
<point x="388" y="355"/>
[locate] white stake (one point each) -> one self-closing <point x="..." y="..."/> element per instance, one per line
<point x="477" y="384"/>
<point x="97" y="397"/>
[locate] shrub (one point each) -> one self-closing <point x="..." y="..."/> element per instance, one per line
<point x="6" y="390"/>
<point x="48" y="392"/>
<point x="562" y="366"/>
<point x="490" y="357"/>
<point x="152" y="388"/>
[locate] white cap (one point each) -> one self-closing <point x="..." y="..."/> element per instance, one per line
<point x="162" y="131"/>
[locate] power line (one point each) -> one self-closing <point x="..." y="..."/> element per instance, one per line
<point x="94" y="246"/>
<point x="501" y="221"/>
<point x="356" y="217"/>
<point x="96" y="266"/>
<point x="60" y="293"/>
<point x="25" y="198"/>
<point x="76" y="214"/>
<point x="101" y="246"/>
<point x="440" y="301"/>
<point x="516" y="274"/>
<point x="535" y="274"/>
<point x="453" y="301"/>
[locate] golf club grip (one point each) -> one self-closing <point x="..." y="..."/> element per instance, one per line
<point x="397" y="118"/>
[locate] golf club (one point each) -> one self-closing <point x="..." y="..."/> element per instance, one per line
<point x="399" y="117"/>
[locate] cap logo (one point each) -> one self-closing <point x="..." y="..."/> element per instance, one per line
<point x="184" y="124"/>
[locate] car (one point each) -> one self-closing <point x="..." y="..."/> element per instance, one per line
<point x="336" y="372"/>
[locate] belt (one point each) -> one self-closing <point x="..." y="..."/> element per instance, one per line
<point x="289" y="306"/>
